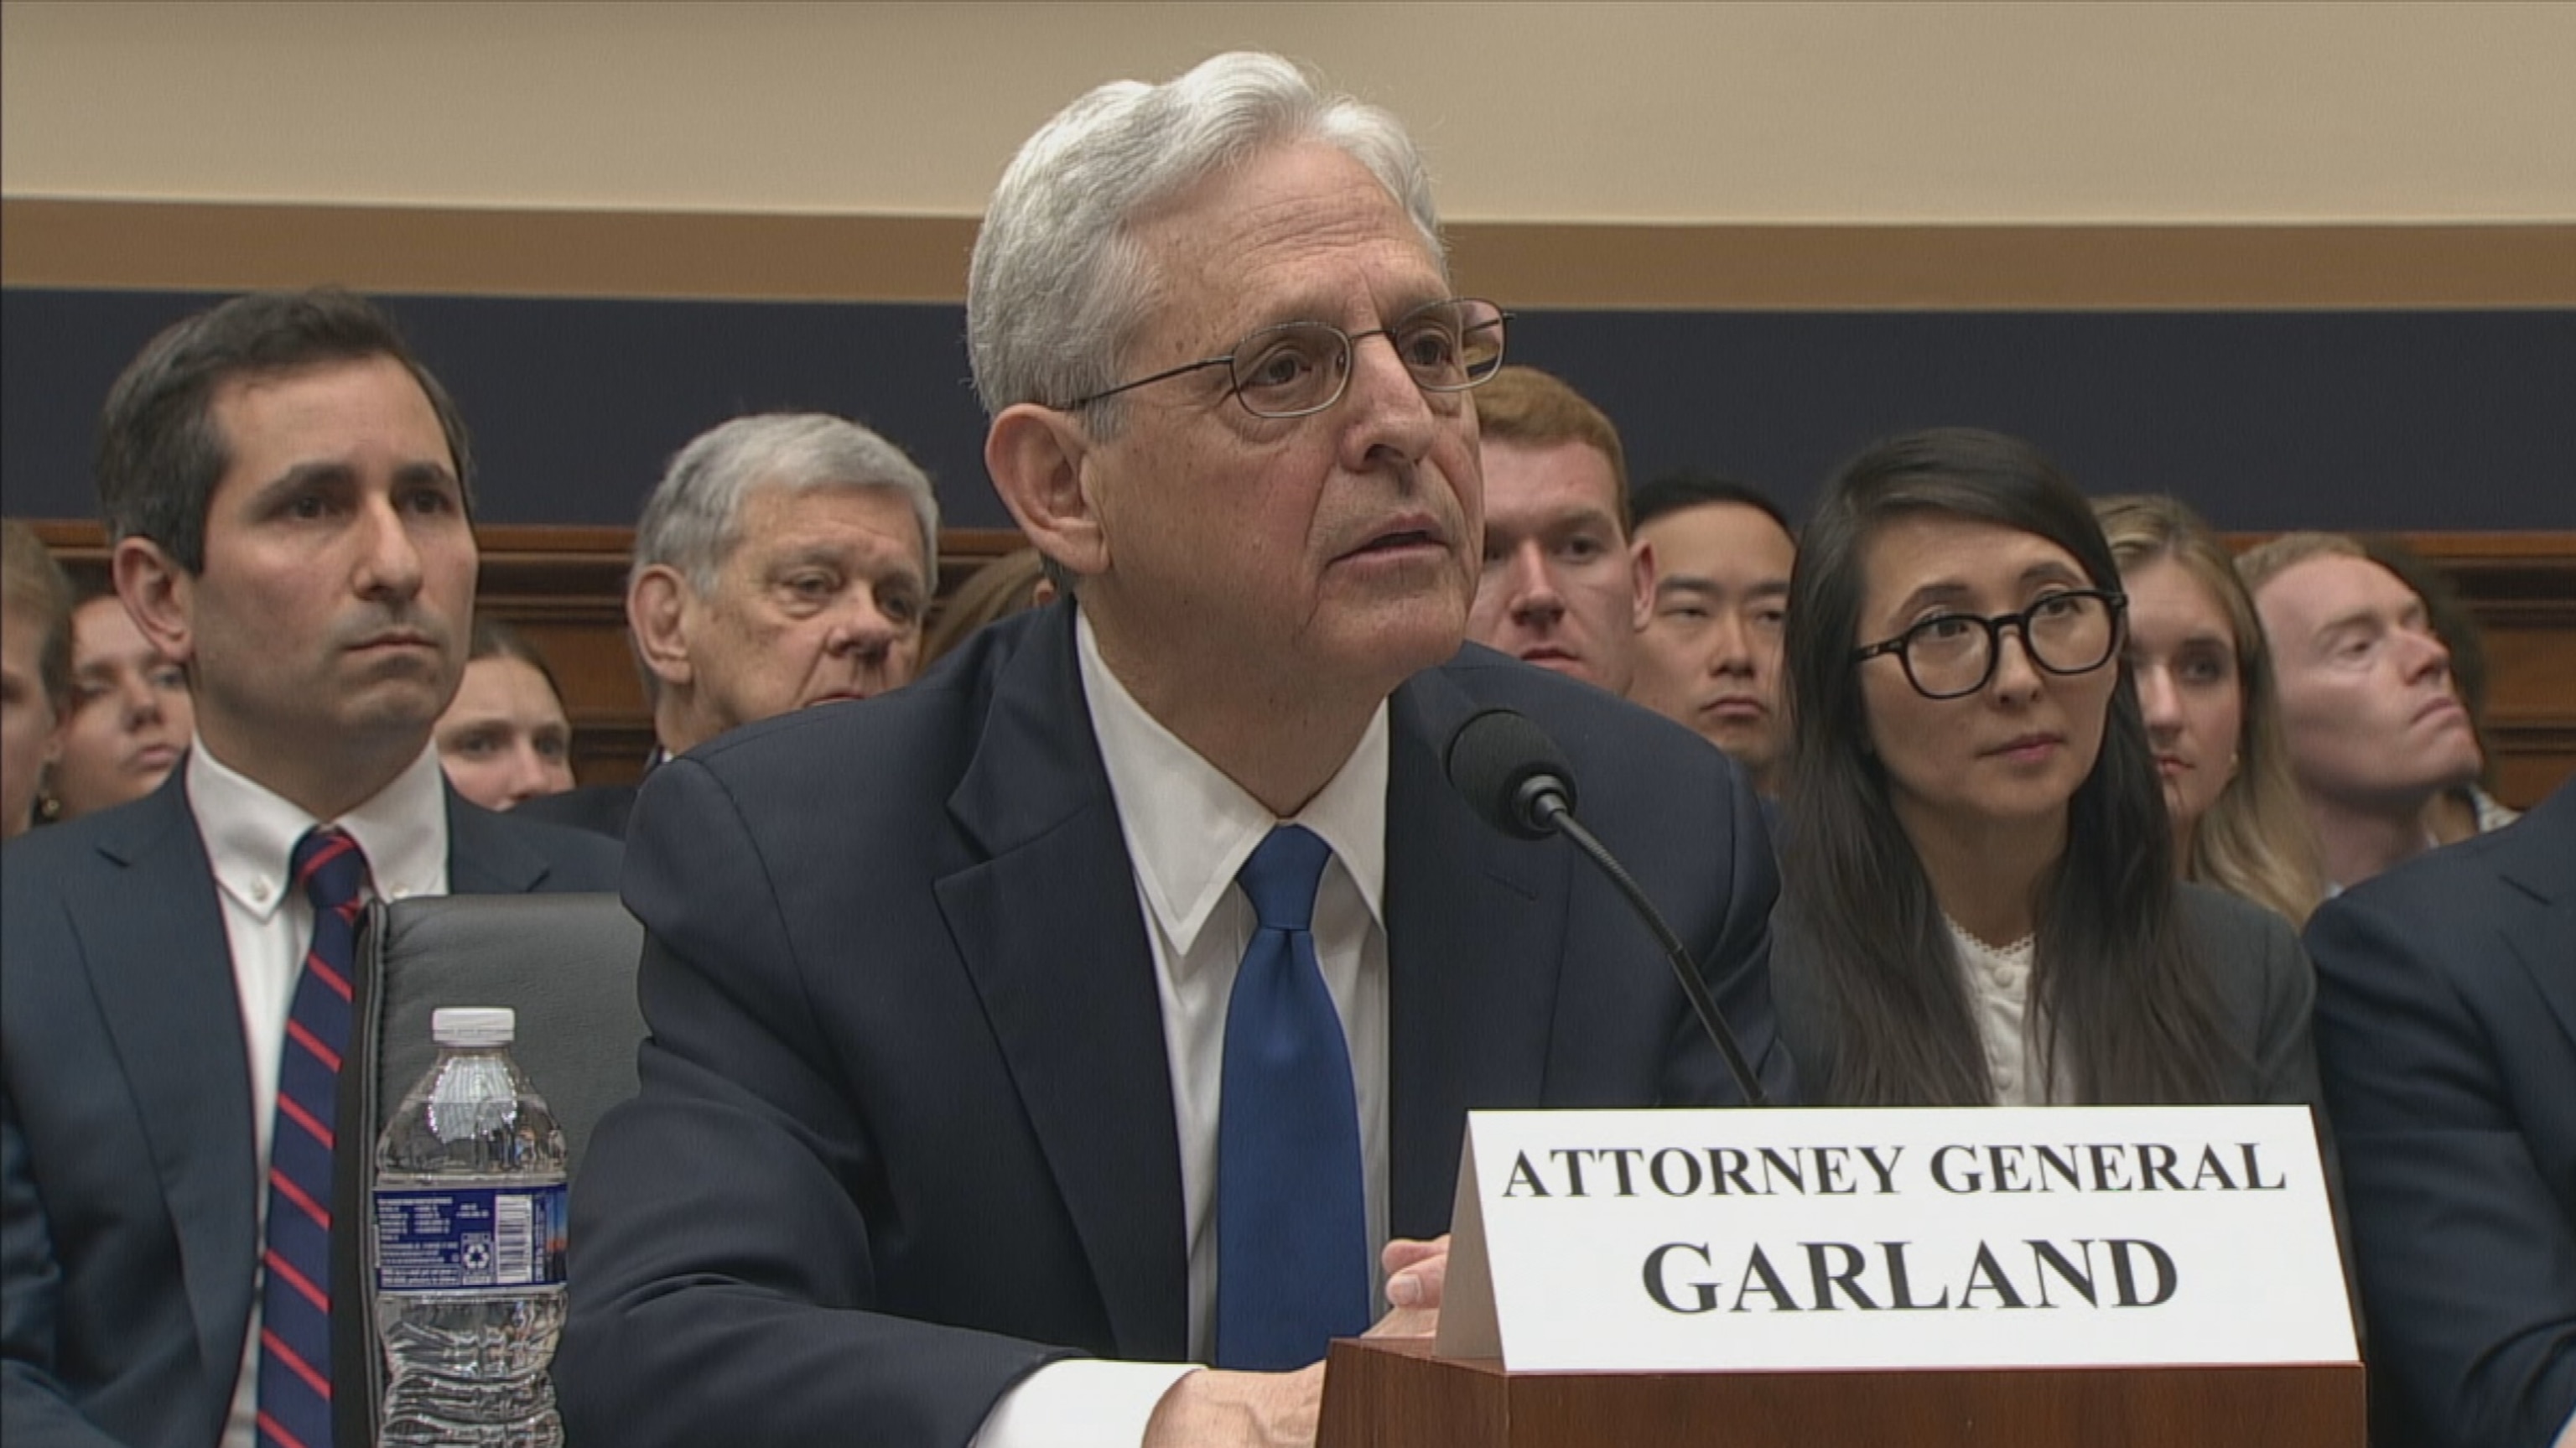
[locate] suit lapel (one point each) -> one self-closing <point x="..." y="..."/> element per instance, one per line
<point x="1475" y="934"/>
<point x="484" y="857"/>
<point x="1051" y="930"/>
<point x="153" y="938"/>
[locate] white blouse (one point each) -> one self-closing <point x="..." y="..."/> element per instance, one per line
<point x="1999" y="998"/>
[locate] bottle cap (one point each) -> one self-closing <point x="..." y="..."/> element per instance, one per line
<point x="473" y="1025"/>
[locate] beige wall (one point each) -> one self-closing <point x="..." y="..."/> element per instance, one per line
<point x="1708" y="114"/>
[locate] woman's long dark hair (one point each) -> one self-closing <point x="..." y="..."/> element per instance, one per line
<point x="2115" y="981"/>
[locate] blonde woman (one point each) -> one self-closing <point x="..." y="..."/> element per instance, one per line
<point x="35" y="668"/>
<point x="2204" y="678"/>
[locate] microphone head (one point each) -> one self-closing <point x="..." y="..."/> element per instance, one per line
<point x="1503" y="765"/>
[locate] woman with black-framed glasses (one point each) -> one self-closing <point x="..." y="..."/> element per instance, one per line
<point x="1978" y="902"/>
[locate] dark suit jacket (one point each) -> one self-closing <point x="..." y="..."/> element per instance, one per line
<point x="2265" y="991"/>
<point x="602" y="809"/>
<point x="2446" y="1020"/>
<point x="906" y="1129"/>
<point x="128" y="1192"/>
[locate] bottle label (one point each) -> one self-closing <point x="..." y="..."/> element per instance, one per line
<point x="469" y="1239"/>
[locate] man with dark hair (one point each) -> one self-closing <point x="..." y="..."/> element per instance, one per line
<point x="1111" y="1001"/>
<point x="1563" y="587"/>
<point x="1710" y="652"/>
<point x="288" y="494"/>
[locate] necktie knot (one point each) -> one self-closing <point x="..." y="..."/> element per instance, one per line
<point x="1281" y="877"/>
<point x="330" y="867"/>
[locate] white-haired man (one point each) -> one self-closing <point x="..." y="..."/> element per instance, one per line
<point x="784" y="560"/>
<point x="1111" y="1003"/>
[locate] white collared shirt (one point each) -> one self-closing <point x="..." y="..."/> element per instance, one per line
<point x="1998" y="978"/>
<point x="250" y="833"/>
<point x="1188" y="830"/>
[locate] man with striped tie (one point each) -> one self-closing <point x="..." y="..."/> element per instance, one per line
<point x="289" y="494"/>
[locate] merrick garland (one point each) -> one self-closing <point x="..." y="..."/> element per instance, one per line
<point x="1063" y="1049"/>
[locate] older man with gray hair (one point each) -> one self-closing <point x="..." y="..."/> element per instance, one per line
<point x="1063" y="1049"/>
<point x="784" y="560"/>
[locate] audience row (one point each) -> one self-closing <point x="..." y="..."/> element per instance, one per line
<point x="1080" y="1034"/>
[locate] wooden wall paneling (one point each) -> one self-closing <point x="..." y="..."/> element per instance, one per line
<point x="532" y="251"/>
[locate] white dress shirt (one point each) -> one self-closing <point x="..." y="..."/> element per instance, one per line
<point x="1188" y="830"/>
<point x="250" y="833"/>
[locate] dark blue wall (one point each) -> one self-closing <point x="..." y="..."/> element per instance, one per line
<point x="2359" y="420"/>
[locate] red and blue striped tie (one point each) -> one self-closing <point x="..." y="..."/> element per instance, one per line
<point x="295" y="1303"/>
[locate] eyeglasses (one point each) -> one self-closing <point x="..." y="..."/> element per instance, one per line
<point x="1298" y="368"/>
<point x="1952" y="655"/>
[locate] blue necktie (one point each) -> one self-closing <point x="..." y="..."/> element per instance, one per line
<point x="1292" y="1229"/>
<point x="295" y="1302"/>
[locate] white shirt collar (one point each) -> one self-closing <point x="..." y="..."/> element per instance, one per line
<point x="250" y="831"/>
<point x="1189" y="828"/>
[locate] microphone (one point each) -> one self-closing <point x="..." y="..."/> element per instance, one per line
<point x="1518" y="781"/>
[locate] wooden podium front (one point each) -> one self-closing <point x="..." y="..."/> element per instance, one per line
<point x="1394" y="1393"/>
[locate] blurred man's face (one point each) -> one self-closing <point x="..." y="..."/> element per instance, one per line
<point x="2366" y="696"/>
<point x="26" y="716"/>
<point x="505" y="738"/>
<point x="1710" y="653"/>
<point x="1562" y="588"/>
<point x="131" y="714"/>
<point x="821" y="598"/>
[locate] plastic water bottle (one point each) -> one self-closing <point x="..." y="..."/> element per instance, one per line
<point x="469" y="1216"/>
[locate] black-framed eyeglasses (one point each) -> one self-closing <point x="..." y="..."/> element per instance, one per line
<point x="1952" y="655"/>
<point x="1298" y="368"/>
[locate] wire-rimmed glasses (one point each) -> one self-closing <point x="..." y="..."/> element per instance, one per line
<point x="1298" y="368"/>
<point x="1952" y="655"/>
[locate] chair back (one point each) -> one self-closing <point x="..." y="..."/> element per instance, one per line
<point x="565" y="963"/>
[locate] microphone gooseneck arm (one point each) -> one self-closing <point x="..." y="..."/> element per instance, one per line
<point x="1548" y="808"/>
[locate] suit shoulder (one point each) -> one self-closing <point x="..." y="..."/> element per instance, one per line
<point x="50" y="850"/>
<point x="2450" y="882"/>
<point x="35" y="870"/>
<point x="577" y="859"/>
<point x="902" y="731"/>
<point x="49" y="856"/>
<point x="2251" y="952"/>
<point x="2227" y="921"/>
<point x="599" y="808"/>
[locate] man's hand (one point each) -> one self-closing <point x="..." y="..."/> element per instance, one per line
<point x="1415" y="1274"/>
<point x="1218" y="1409"/>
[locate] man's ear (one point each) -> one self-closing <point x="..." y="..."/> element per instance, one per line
<point x="1037" y="457"/>
<point x="159" y="594"/>
<point x="658" y="615"/>
<point x="1641" y="567"/>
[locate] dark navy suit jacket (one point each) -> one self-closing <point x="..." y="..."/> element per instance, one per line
<point x="2446" y="1026"/>
<point x="906" y="1129"/>
<point x="128" y="1192"/>
<point x="602" y="809"/>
